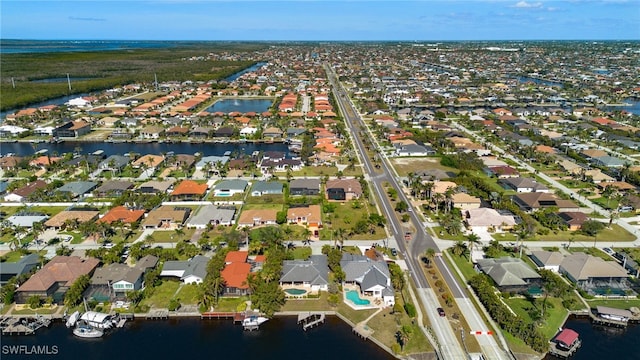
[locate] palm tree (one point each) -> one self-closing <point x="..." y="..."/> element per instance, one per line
<point x="429" y="254"/>
<point x="472" y="240"/>
<point x="459" y="249"/>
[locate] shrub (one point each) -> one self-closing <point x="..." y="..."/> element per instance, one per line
<point x="410" y="309"/>
<point x="174" y="304"/>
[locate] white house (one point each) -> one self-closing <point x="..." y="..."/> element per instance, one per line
<point x="189" y="272"/>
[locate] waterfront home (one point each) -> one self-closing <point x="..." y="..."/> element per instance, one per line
<point x="592" y="273"/>
<point x="72" y="218"/>
<point x="306" y="187"/>
<point x="155" y="186"/>
<point x="77" y="188"/>
<point x="483" y="219"/>
<point x="549" y="260"/>
<point x="113" y="281"/>
<point x="201" y="132"/>
<point x="10" y="162"/>
<point x="7" y="131"/>
<point x="257" y="217"/>
<point x="72" y="129"/>
<point x="192" y="271"/>
<point x="114" y="163"/>
<point x="151" y="132"/>
<point x="225" y="132"/>
<point x="372" y="277"/>
<point x="226" y="188"/>
<point x="148" y="161"/>
<point x="213" y="162"/>
<point x="235" y="273"/>
<point x="530" y="202"/>
<point x="166" y="217"/>
<point x="308" y="216"/>
<point x="181" y="161"/>
<point x="268" y="166"/>
<point x="113" y="188"/>
<point x="55" y="278"/>
<point x="188" y="190"/>
<point x="261" y="188"/>
<point x="510" y="274"/>
<point x="523" y="185"/>
<point x="212" y="215"/>
<point x="311" y="274"/>
<point x="343" y="189"/>
<point x="26" y="218"/>
<point x="19" y="267"/>
<point x="22" y="193"/>
<point x="122" y="214"/>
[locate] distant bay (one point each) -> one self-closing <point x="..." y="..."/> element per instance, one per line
<point x="13" y="46"/>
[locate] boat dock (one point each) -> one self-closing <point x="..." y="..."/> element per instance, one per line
<point x="23" y="326"/>
<point x="158" y="315"/>
<point x="606" y="316"/>
<point x="236" y="316"/>
<point x="563" y="354"/>
<point x="363" y="331"/>
<point x="310" y="320"/>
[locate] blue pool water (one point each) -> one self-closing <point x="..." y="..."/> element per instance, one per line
<point x="353" y="296"/>
<point x="295" y="291"/>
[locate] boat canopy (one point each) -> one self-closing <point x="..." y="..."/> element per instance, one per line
<point x="95" y="317"/>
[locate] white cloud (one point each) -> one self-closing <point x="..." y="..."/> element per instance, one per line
<point x="523" y="4"/>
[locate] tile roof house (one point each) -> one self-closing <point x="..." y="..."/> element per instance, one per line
<point x="373" y="277"/>
<point x="188" y="190"/>
<point x="72" y="129"/>
<point x="257" y="217"/>
<point x="192" y="271"/>
<point x="573" y="219"/>
<point x="308" y="216"/>
<point x="485" y="218"/>
<point x="306" y="187"/>
<point x="212" y="214"/>
<point x="123" y="214"/>
<point x="533" y="201"/>
<point x="549" y="260"/>
<point x="166" y="217"/>
<point x="312" y="274"/>
<point x="343" y="189"/>
<point x="155" y="186"/>
<point x="586" y="270"/>
<point x="61" y="219"/>
<point x="235" y="273"/>
<point x="464" y="201"/>
<point x="55" y="278"/>
<point x="23" y="193"/>
<point x="510" y="274"/>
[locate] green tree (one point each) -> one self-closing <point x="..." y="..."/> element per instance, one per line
<point x="73" y="296"/>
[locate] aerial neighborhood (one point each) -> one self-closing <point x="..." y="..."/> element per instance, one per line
<point x="347" y="180"/>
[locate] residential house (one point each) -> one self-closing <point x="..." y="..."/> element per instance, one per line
<point x="188" y="190"/>
<point x="114" y="163"/>
<point x="72" y="129"/>
<point x="502" y="172"/>
<point x="212" y="215"/>
<point x="483" y="219"/>
<point x="22" y="194"/>
<point x="257" y="217"/>
<point x="55" y="278"/>
<point x="151" y="132"/>
<point x="235" y="273"/>
<point x="372" y="277"/>
<point x="272" y="132"/>
<point x="155" y="186"/>
<point x="261" y="188"/>
<point x="77" y="188"/>
<point x="533" y="201"/>
<point x="309" y="216"/>
<point x="464" y="201"/>
<point x="343" y="189"/>
<point x="549" y="260"/>
<point x="192" y="271"/>
<point x="311" y="274"/>
<point x="166" y="217"/>
<point x="16" y="268"/>
<point x="510" y="274"/>
<point x="573" y="219"/>
<point x="591" y="272"/>
<point x="26" y="218"/>
<point x="113" y="281"/>
<point x="113" y="188"/>
<point x="414" y="150"/>
<point x="304" y="187"/>
<point x="523" y="185"/>
<point x="122" y="214"/>
<point x="66" y="217"/>
<point x="226" y="188"/>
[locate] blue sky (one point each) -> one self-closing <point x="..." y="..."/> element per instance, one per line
<point x="321" y="20"/>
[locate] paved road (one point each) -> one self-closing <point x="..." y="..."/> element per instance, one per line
<point x="450" y="346"/>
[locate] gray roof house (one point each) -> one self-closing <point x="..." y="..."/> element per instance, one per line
<point x="266" y="188"/>
<point x="373" y="277"/>
<point x="213" y="160"/>
<point x="22" y="266"/>
<point x="304" y="187"/>
<point x="212" y="214"/>
<point x="589" y="271"/>
<point x="25" y="219"/>
<point x="114" y="162"/>
<point x="312" y="273"/>
<point x="523" y="184"/>
<point x="608" y="161"/>
<point x="78" y="188"/>
<point x="113" y="188"/>
<point x="230" y="187"/>
<point x="549" y="260"/>
<point x="189" y="272"/>
<point x="414" y="150"/>
<point x="113" y="281"/>
<point x="510" y="274"/>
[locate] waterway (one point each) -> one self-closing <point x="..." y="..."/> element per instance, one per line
<point x="240" y="105"/>
<point x="206" y="149"/>
<point x="247" y="70"/>
<point x="603" y="342"/>
<point x="279" y="338"/>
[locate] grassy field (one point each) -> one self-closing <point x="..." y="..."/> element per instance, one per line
<point x="188" y="294"/>
<point x="615" y="303"/>
<point x="406" y="165"/>
<point x="172" y="236"/>
<point x="162" y="294"/>
<point x="227" y="304"/>
<point x="555" y="318"/>
<point x="345" y="216"/>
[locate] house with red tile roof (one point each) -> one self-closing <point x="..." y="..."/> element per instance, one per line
<point x="55" y="278"/>
<point x="122" y="213"/>
<point x="189" y="190"/>
<point x="235" y="273"/>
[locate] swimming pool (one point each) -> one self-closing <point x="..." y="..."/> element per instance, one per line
<point x="353" y="296"/>
<point x="295" y="291"/>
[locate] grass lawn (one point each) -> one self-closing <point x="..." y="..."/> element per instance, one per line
<point x="509" y="237"/>
<point x="592" y="251"/>
<point x="230" y="304"/>
<point x="265" y="199"/>
<point x="319" y="304"/>
<point x="346" y="215"/>
<point x="466" y="268"/>
<point x="12" y="256"/>
<point x="385" y="325"/>
<point x="188" y="295"/>
<point x="406" y="165"/>
<point x="618" y="304"/>
<point x="171" y="236"/>
<point x="355" y="316"/>
<point x="261" y="206"/>
<point x="606" y="202"/>
<point x="301" y="253"/>
<point x="26" y="310"/>
<point x="555" y="318"/>
<point x="516" y="345"/>
<point x="442" y="234"/>
<point x="162" y="294"/>
<point x="576" y="184"/>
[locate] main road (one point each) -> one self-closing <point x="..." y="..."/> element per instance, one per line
<point x="448" y="343"/>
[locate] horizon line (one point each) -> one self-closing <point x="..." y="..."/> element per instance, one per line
<point x="352" y="40"/>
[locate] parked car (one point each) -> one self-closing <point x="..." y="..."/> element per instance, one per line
<point x="608" y="251"/>
<point x="394" y="252"/>
<point x="441" y="312"/>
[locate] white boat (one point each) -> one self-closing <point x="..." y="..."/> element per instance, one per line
<point x="87" y="331"/>
<point x="71" y="321"/>
<point x="97" y="319"/>
<point x="252" y="321"/>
